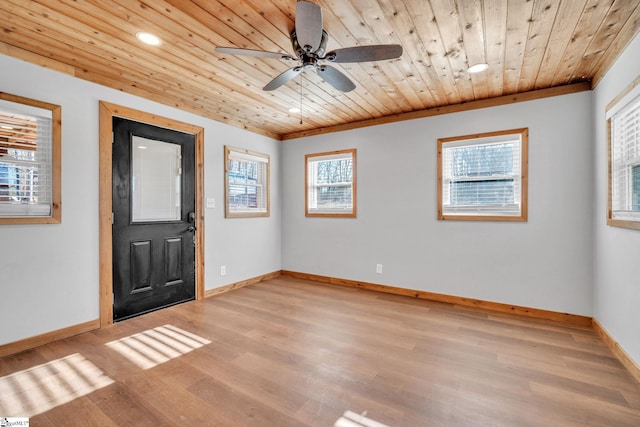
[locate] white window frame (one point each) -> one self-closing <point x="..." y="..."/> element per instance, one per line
<point x="515" y="212"/>
<point x="261" y="186"/>
<point x="623" y="113"/>
<point x="37" y="211"/>
<point x="312" y="186"/>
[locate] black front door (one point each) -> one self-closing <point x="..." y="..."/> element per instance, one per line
<point x="153" y="218"/>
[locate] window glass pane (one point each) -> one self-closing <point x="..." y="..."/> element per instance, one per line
<point x="482" y="176"/>
<point x="334" y="197"/>
<point x="625" y="162"/>
<point x="482" y="160"/>
<point x="635" y="188"/>
<point x="470" y="163"/>
<point x="25" y="160"/>
<point x="246" y="183"/>
<point x="155" y="180"/>
<point x="330" y="183"/>
<point x="333" y="184"/>
<point x="485" y="192"/>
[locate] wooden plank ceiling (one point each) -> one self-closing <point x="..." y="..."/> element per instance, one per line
<point x="528" y="44"/>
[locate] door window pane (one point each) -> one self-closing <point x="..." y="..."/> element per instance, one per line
<point x="155" y="180"/>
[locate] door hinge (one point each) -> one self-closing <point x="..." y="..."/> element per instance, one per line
<point x="112" y="216"/>
<point x="113" y="137"/>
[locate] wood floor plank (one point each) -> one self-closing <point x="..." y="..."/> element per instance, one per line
<point x="175" y="403"/>
<point x="562" y="368"/>
<point x="20" y="361"/>
<point x="291" y="352"/>
<point x="246" y="410"/>
<point x="120" y="402"/>
<point x="585" y="409"/>
<point x="85" y="413"/>
<point x="327" y="387"/>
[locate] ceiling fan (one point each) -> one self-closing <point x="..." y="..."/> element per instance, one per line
<point x="309" y="41"/>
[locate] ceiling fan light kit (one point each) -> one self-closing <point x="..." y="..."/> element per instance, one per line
<point x="309" y="42"/>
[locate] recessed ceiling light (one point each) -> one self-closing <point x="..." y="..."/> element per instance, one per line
<point x="477" y="68"/>
<point x="148" y="38"/>
<point x="294" y="110"/>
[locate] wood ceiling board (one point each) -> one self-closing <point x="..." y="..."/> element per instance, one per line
<point x="567" y="18"/>
<point x="594" y="13"/>
<point x="495" y="20"/>
<point x="542" y="19"/>
<point x="473" y="35"/>
<point x="519" y="15"/>
<point x="528" y="44"/>
<point x="621" y="41"/>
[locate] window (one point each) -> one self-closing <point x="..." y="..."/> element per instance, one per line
<point x="624" y="159"/>
<point x="246" y="183"/>
<point x="29" y="161"/>
<point x="330" y="183"/>
<point x="483" y="177"/>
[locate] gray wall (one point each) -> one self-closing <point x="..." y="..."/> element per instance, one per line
<point x="544" y="263"/>
<point x="49" y="274"/>
<point x="617" y="250"/>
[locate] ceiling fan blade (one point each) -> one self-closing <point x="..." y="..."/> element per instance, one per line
<point x="378" y="52"/>
<point x="252" y="52"/>
<point x="282" y="78"/>
<point x="335" y="78"/>
<point x="308" y="25"/>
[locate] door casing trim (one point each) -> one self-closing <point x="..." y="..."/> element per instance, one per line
<point x="107" y="112"/>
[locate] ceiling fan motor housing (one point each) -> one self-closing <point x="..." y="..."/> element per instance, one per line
<point x="301" y="51"/>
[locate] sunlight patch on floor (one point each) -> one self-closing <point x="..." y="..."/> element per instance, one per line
<point x="43" y="387"/>
<point x="351" y="419"/>
<point x="158" y="345"/>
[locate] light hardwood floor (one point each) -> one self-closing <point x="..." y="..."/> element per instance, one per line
<point x="289" y="352"/>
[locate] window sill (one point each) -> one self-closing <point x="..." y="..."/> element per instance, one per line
<point x="633" y="225"/>
<point x="495" y="218"/>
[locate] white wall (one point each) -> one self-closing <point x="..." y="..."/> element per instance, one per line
<point x="544" y="263"/>
<point x="49" y="274"/>
<point x="617" y="250"/>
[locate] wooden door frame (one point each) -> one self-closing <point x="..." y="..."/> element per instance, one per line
<point x="107" y="112"/>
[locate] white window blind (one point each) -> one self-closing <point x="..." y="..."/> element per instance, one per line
<point x="247" y="183"/>
<point x="25" y="160"/>
<point x="625" y="161"/>
<point x="330" y="183"/>
<point x="482" y="176"/>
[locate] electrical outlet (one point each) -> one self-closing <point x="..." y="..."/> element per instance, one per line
<point x="223" y="270"/>
<point x="211" y="202"/>
<point x="379" y="268"/>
